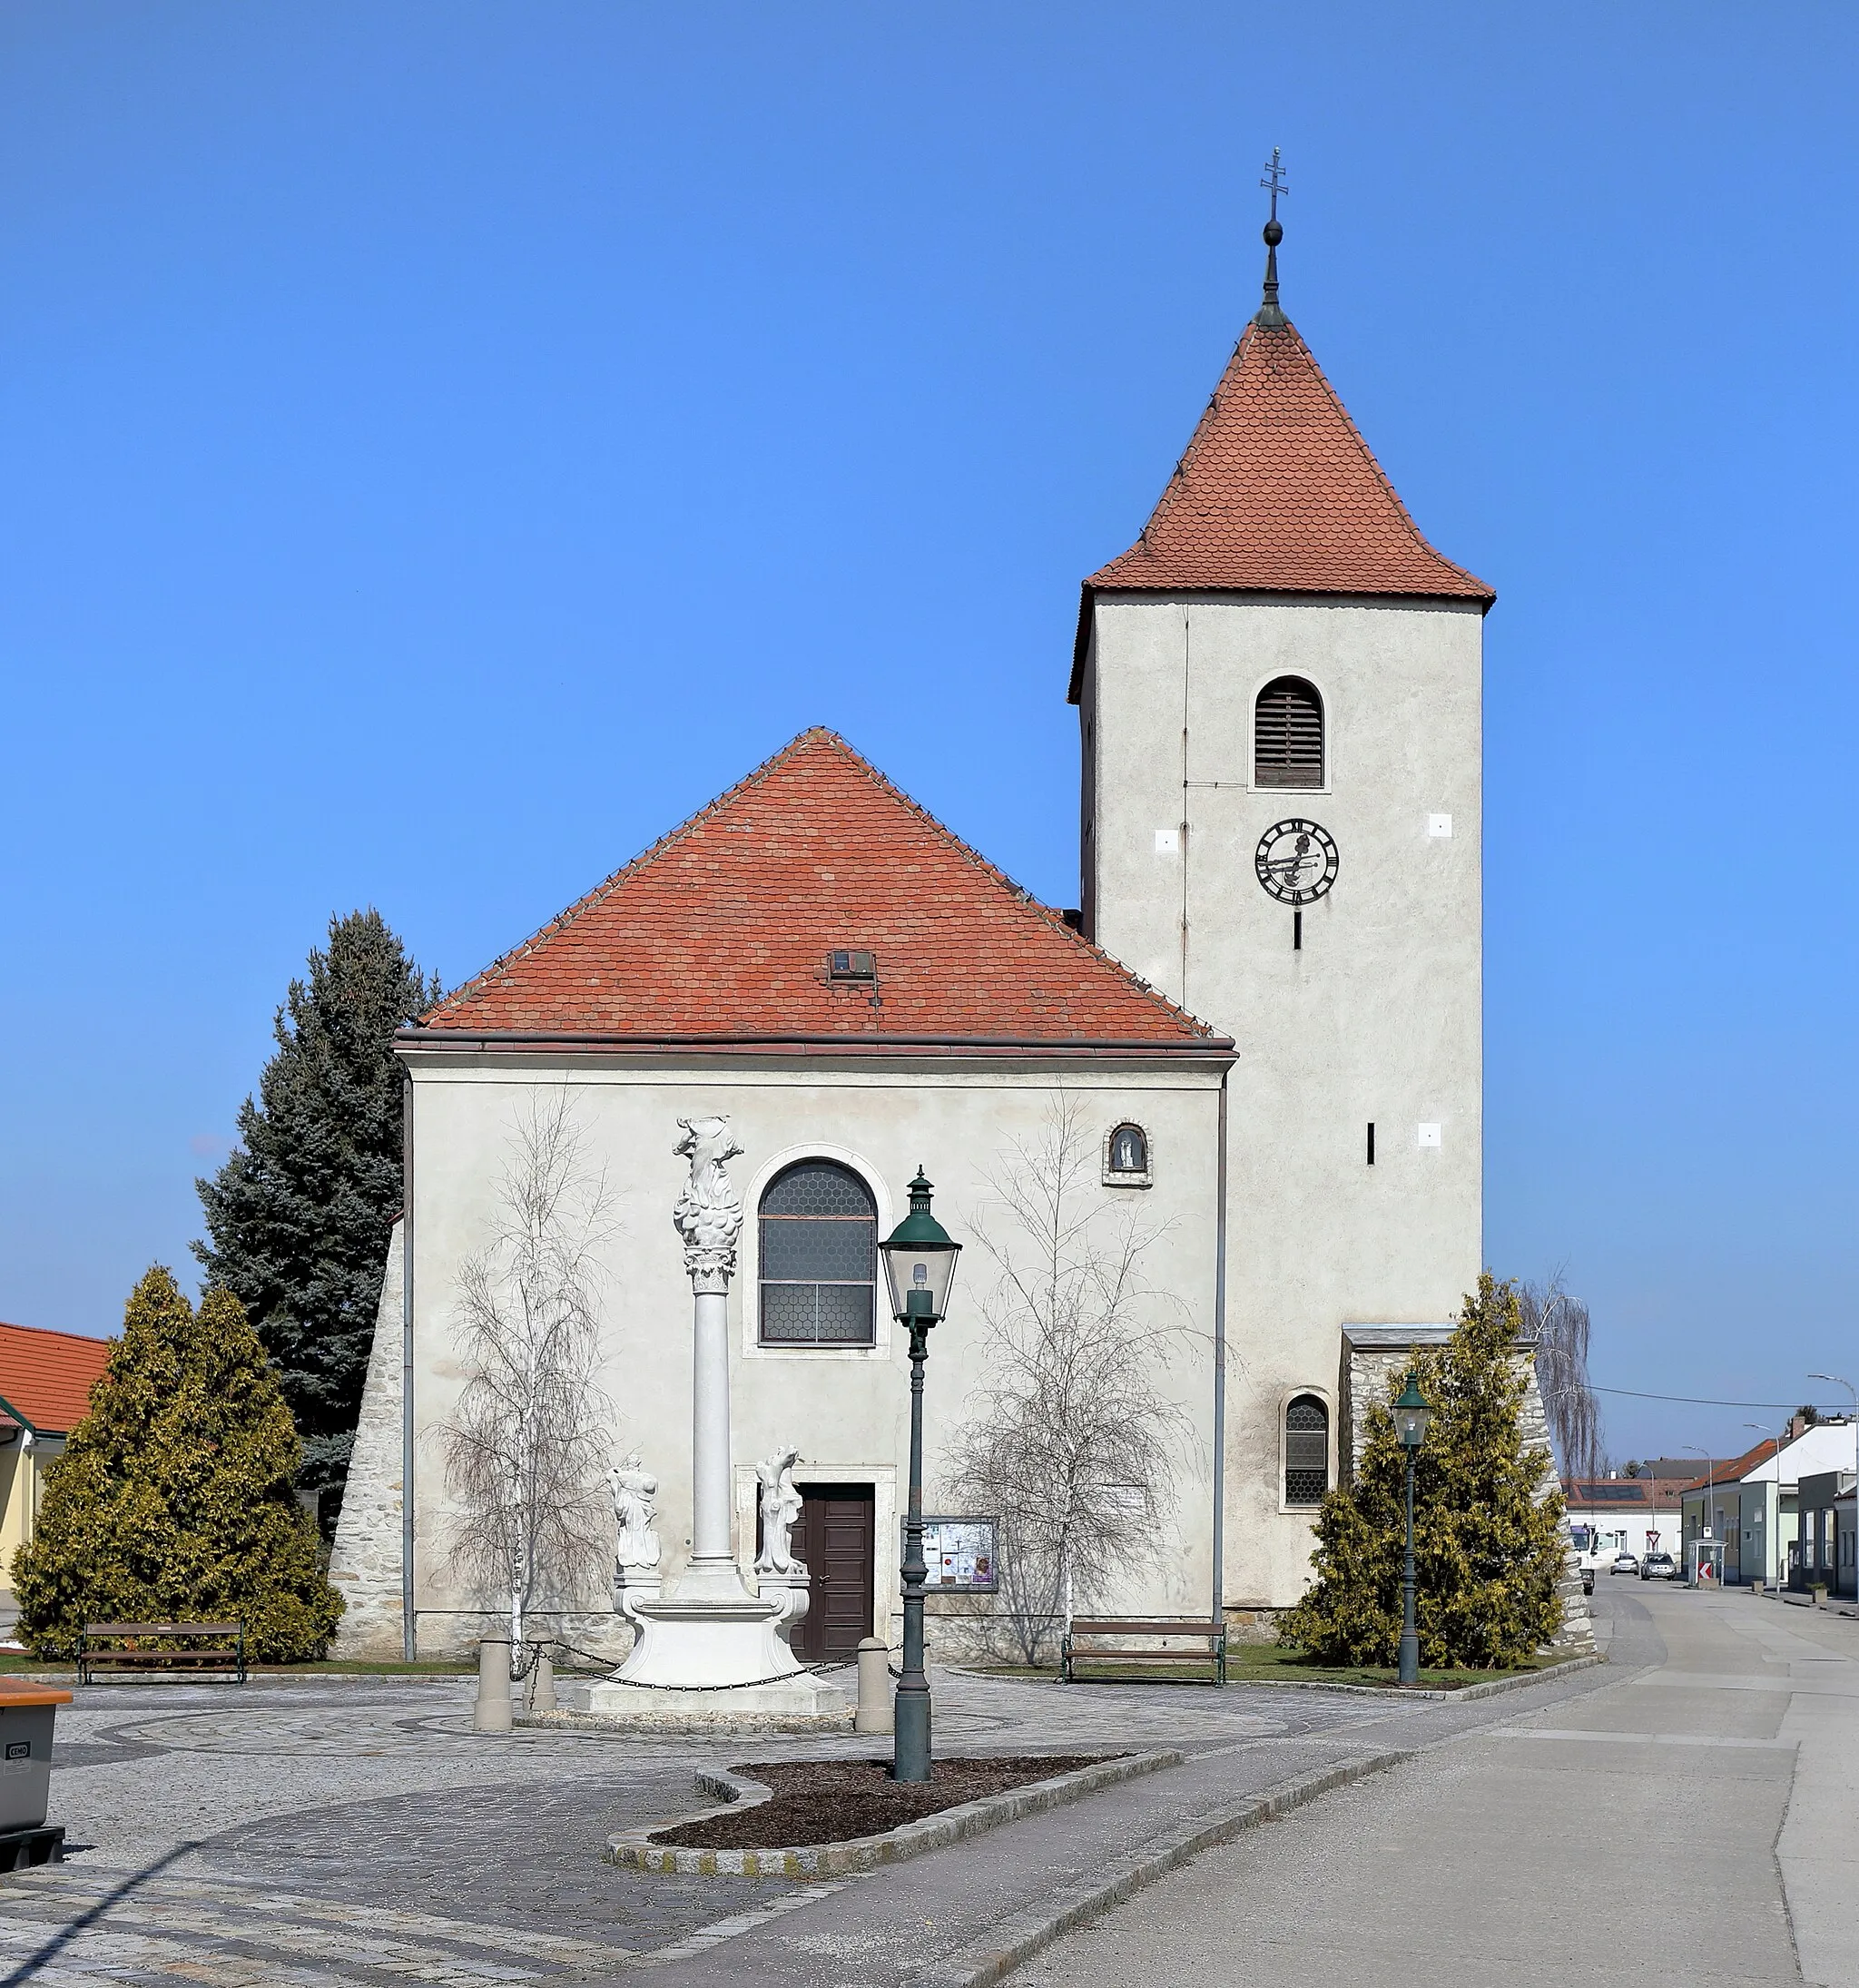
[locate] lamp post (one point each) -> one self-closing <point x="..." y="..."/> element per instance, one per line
<point x="919" y="1268"/>
<point x="1411" y="1416"/>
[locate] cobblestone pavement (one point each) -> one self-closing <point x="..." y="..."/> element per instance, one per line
<point x="331" y="1834"/>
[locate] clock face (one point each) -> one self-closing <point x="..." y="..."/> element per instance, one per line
<point x="1296" y="861"/>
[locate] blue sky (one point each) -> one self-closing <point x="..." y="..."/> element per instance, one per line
<point x="442" y="444"/>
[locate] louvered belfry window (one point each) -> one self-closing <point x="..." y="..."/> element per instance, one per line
<point x="1306" y="1451"/>
<point x="819" y="1268"/>
<point x="1288" y="736"/>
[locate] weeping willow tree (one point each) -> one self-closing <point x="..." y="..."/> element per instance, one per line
<point x="1559" y="1323"/>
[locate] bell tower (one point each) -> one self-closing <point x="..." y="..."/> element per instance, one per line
<point x="1279" y="693"/>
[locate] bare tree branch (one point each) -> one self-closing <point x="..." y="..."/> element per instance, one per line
<point x="1068" y="1439"/>
<point x="525" y="1452"/>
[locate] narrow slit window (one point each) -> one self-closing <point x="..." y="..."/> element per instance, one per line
<point x="1288" y="734"/>
<point x="1306" y="1451"/>
<point x="819" y="1257"/>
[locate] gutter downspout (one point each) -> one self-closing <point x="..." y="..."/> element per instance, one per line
<point x="409" y="1635"/>
<point x="1219" y="1614"/>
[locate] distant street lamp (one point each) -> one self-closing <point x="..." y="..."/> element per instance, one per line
<point x="1762" y="1429"/>
<point x="1837" y="1382"/>
<point x="1411" y="1416"/>
<point x="919" y="1268"/>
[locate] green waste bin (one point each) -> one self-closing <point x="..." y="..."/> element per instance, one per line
<point x="26" y="1717"/>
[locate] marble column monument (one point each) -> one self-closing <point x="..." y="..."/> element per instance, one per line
<point x="707" y="1646"/>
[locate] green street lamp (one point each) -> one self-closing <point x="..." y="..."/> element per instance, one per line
<point x="919" y="1268"/>
<point x="1411" y="1416"/>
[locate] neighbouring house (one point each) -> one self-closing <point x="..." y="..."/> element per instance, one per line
<point x="1638" y="1515"/>
<point x="1821" y="1554"/>
<point x="1263" y="1011"/>
<point x="1748" y="1505"/>
<point x="45" y="1381"/>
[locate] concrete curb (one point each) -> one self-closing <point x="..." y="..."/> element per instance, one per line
<point x="634" y="1849"/>
<point x="1393" y="1694"/>
<point x="985" y="1962"/>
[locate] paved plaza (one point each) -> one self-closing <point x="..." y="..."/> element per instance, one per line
<point x="341" y="1832"/>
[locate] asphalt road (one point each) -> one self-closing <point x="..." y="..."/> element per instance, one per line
<point x="1696" y="1822"/>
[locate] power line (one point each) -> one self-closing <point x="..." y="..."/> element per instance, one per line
<point x="1693" y="1400"/>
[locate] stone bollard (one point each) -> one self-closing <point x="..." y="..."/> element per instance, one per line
<point x="874" y="1713"/>
<point x="491" y="1714"/>
<point x="542" y="1681"/>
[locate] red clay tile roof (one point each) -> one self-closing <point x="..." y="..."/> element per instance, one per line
<point x="1729" y="1470"/>
<point x="1277" y="492"/>
<point x="47" y="1376"/>
<point x="724" y="928"/>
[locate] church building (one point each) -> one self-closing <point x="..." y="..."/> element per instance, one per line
<point x="1246" y="1069"/>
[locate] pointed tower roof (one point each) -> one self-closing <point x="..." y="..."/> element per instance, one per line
<point x="724" y="933"/>
<point x="1277" y="492"/>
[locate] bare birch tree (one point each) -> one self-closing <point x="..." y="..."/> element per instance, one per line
<point x="1559" y="1325"/>
<point x="1069" y="1441"/>
<point x="525" y="1452"/>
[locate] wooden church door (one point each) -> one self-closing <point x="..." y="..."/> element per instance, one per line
<point x="838" y="1539"/>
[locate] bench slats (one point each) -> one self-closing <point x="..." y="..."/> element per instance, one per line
<point x="1211" y="1636"/>
<point x="162" y="1629"/>
<point x="222" y="1655"/>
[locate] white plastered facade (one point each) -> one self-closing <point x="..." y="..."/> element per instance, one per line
<point x="846" y="1409"/>
<point x="1377" y="1017"/>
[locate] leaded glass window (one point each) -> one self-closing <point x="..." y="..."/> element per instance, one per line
<point x="819" y="1257"/>
<point x="1306" y="1451"/>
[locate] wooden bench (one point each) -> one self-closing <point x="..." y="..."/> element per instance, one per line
<point x="219" y="1656"/>
<point x="1136" y="1642"/>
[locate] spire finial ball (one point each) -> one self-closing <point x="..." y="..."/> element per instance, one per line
<point x="1275" y="232"/>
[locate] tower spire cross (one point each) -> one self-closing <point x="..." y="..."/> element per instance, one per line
<point x="1273" y="182"/>
<point x="1274" y="185"/>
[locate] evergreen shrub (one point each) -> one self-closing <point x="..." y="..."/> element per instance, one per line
<point x="174" y="1501"/>
<point x="1489" y="1549"/>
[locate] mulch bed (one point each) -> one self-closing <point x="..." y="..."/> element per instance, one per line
<point x="837" y="1801"/>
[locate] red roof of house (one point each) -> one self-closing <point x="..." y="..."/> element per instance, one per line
<point x="722" y="930"/>
<point x="1733" y="1468"/>
<point x="1277" y="492"/>
<point x="47" y="1376"/>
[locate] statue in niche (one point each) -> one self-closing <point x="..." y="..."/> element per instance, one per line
<point x="636" y="1505"/>
<point x="709" y="1211"/>
<point x="781" y="1508"/>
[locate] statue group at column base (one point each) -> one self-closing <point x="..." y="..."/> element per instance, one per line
<point x="712" y="1651"/>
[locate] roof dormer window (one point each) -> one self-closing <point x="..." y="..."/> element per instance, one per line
<point x="851" y="966"/>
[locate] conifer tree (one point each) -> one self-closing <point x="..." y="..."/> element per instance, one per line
<point x="174" y="1501"/>
<point x="298" y="1217"/>
<point x="1488" y="1544"/>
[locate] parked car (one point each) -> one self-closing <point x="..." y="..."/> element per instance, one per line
<point x="1659" y="1567"/>
<point x="1624" y="1563"/>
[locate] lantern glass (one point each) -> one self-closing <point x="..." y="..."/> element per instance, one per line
<point x="1411" y="1414"/>
<point x="919" y="1260"/>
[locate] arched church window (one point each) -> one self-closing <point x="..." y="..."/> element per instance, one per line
<point x="1306" y="1451"/>
<point x="819" y="1257"/>
<point x="1288" y="734"/>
